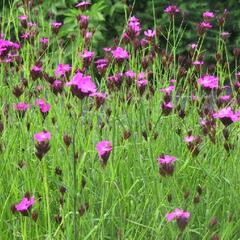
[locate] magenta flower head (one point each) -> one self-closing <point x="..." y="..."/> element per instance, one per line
<point x="101" y="65"/>
<point x="42" y="136"/>
<point x="83" y="5"/>
<point x="21" y="108"/>
<point x="23" y="20"/>
<point x="56" y="27"/>
<point x="130" y="76"/>
<point x="104" y="149"/>
<point x="208" y="82"/>
<point x="83" y="22"/>
<point x="208" y="16"/>
<point x="167" y="108"/>
<point x="167" y="90"/>
<point x="227" y="116"/>
<point x="36" y="72"/>
<point x="193" y="143"/>
<point x="142" y="83"/>
<point x="172" y="10"/>
<point x="25" y="205"/>
<point x="81" y="85"/>
<point x="44" y="42"/>
<point x="87" y="57"/>
<point x="182" y="218"/>
<point x="42" y="145"/>
<point x="120" y="54"/>
<point x="133" y="29"/>
<point x="57" y="87"/>
<point x="62" y="70"/>
<point x="166" y="165"/>
<point x="224" y="35"/>
<point x="203" y="26"/>
<point x="149" y="34"/>
<point x="99" y="98"/>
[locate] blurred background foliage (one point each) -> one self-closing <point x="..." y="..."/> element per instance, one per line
<point x="108" y="17"/>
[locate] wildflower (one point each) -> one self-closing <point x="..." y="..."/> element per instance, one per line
<point x="130" y="76"/>
<point x="167" y="108"/>
<point x="134" y="28"/>
<point x="42" y="144"/>
<point x="182" y="217"/>
<point x="101" y="65"/>
<point x="115" y="80"/>
<point x="25" y="205"/>
<point x="99" y="98"/>
<point x="56" y="27"/>
<point x="142" y="82"/>
<point x="172" y="10"/>
<point x="208" y="16"/>
<point x="203" y="26"/>
<point x="36" y="72"/>
<point x="166" y="166"/>
<point x="23" y="20"/>
<point x="62" y="70"/>
<point x="83" y="5"/>
<point x="167" y="90"/>
<point x="120" y="54"/>
<point x="104" y="149"/>
<point x="83" y="22"/>
<point x="208" y="82"/>
<point x="224" y="35"/>
<point x="44" y="42"/>
<point x="87" y="57"/>
<point x="193" y="143"/>
<point x="150" y="34"/>
<point x="21" y="108"/>
<point x="81" y="85"/>
<point x="227" y="116"/>
<point x="57" y="86"/>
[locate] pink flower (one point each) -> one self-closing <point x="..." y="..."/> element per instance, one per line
<point x="42" y="136"/>
<point x="205" y="25"/>
<point x="134" y="28"/>
<point x="21" y="106"/>
<point x="99" y="97"/>
<point x="167" y="90"/>
<point x="56" y="27"/>
<point x="25" y="204"/>
<point x="172" y="10"/>
<point x="166" y="159"/>
<point x="150" y="34"/>
<point x="82" y="85"/>
<point x="44" y="41"/>
<point x="104" y="149"/>
<point x="56" y="24"/>
<point x="120" y="54"/>
<point x="208" y="82"/>
<point x="83" y="21"/>
<point x="45" y="108"/>
<point x="197" y="63"/>
<point x="166" y="165"/>
<point x="227" y="116"/>
<point x="62" y="69"/>
<point x="83" y="5"/>
<point x="208" y="15"/>
<point x="193" y="46"/>
<point x="225" y="35"/>
<point x="23" y="17"/>
<point x="87" y="54"/>
<point x="182" y="217"/>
